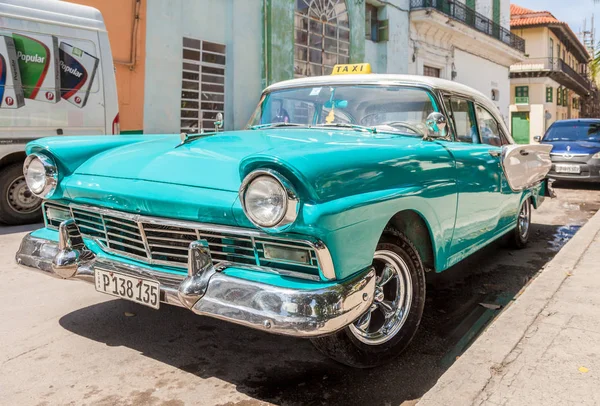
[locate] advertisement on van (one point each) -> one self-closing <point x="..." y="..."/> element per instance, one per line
<point x="39" y="68"/>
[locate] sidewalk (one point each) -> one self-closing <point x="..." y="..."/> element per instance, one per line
<point x="545" y="348"/>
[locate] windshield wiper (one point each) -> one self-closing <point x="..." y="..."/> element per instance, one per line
<point x="356" y="127"/>
<point x="274" y="125"/>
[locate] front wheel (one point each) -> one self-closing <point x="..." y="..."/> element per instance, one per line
<point x="385" y="330"/>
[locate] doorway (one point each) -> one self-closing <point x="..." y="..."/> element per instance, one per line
<point x="520" y="127"/>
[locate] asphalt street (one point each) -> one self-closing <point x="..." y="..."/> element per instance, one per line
<point x="64" y="343"/>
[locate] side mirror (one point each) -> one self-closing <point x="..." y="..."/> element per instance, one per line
<point x="537" y="138"/>
<point x="218" y="122"/>
<point x="436" y="126"/>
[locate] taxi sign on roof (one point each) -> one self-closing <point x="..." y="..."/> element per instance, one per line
<point x="351" y="69"/>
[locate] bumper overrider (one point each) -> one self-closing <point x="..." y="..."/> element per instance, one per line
<point x="208" y="291"/>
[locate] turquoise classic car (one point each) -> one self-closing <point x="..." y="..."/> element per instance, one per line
<point x="319" y="220"/>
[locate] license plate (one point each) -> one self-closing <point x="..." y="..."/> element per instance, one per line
<point x="568" y="168"/>
<point x="142" y="291"/>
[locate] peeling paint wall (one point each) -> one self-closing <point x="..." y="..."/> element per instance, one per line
<point x="391" y="56"/>
<point x="280" y="40"/>
<point x="356" y="15"/>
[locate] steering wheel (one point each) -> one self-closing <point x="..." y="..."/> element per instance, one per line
<point x="411" y="127"/>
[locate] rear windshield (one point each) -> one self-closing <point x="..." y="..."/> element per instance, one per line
<point x="574" y="131"/>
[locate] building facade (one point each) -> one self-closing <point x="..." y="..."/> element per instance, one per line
<point x="552" y="83"/>
<point x="179" y="63"/>
<point x="467" y="41"/>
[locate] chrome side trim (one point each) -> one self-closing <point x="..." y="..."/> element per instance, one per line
<point x="314" y="312"/>
<point x="325" y="263"/>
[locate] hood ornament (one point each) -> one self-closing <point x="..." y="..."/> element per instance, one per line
<point x="568" y="155"/>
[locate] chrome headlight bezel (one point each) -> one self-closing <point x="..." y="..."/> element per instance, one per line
<point x="51" y="174"/>
<point x="291" y="202"/>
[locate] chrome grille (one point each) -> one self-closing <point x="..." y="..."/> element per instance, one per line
<point x="165" y="242"/>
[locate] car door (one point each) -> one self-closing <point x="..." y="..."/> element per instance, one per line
<point x="493" y="137"/>
<point x="478" y="178"/>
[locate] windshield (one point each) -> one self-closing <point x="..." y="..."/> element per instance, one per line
<point x="574" y="131"/>
<point x="396" y="109"/>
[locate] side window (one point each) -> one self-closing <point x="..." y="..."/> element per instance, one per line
<point x="464" y="121"/>
<point x="489" y="128"/>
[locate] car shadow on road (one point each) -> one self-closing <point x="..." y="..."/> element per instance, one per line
<point x="284" y="370"/>
<point x="566" y="184"/>
<point x="5" y="230"/>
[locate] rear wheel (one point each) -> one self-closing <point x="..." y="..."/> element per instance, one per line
<point x="17" y="204"/>
<point x="392" y="320"/>
<point x="520" y="235"/>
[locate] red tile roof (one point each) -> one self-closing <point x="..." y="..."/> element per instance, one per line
<point x="524" y="17"/>
<point x="521" y="16"/>
<point x="517" y="10"/>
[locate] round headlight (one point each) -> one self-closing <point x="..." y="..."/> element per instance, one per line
<point x="40" y="174"/>
<point x="268" y="200"/>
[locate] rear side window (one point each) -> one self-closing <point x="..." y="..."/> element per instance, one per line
<point x="465" y="124"/>
<point x="489" y="129"/>
<point x="574" y="131"/>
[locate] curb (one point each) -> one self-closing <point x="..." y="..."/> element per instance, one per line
<point x="468" y="377"/>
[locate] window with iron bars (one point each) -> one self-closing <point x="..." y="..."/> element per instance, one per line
<point x="322" y="36"/>
<point x="202" y="84"/>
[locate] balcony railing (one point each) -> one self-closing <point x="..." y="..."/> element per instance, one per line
<point x="551" y="65"/>
<point x="470" y="17"/>
<point x="521" y="99"/>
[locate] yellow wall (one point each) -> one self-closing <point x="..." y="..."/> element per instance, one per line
<point x="537" y="45"/>
<point x="119" y="19"/>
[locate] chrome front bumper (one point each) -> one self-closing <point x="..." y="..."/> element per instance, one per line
<point x="208" y="291"/>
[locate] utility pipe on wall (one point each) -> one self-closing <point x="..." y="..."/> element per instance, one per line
<point x="133" y="45"/>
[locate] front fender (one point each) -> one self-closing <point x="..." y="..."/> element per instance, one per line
<point x="351" y="227"/>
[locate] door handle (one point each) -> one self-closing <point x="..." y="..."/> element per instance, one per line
<point x="493" y="152"/>
<point x="523" y="152"/>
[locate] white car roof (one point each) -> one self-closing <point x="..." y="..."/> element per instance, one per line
<point x="379" y="78"/>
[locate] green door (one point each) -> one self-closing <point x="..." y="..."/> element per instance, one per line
<point x="520" y="127"/>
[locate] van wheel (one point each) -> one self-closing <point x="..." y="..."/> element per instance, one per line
<point x="385" y="330"/>
<point x="17" y="204"/>
<point x="520" y="235"/>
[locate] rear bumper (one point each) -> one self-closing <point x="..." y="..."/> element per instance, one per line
<point x="308" y="312"/>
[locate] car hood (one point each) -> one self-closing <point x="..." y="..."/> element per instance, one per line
<point x="216" y="161"/>
<point x="574" y="147"/>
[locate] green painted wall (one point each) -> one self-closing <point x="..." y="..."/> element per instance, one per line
<point x="356" y="14"/>
<point x="279" y="41"/>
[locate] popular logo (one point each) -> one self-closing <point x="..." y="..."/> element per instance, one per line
<point x="34" y="59"/>
<point x="66" y="68"/>
<point x="77" y="99"/>
<point x="49" y="96"/>
<point x="9" y="101"/>
<point x="30" y="58"/>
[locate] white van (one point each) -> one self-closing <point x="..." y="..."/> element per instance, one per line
<point x="56" y="79"/>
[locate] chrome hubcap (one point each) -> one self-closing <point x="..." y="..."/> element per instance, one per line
<point x="524" y="219"/>
<point x="20" y="198"/>
<point x="391" y="301"/>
